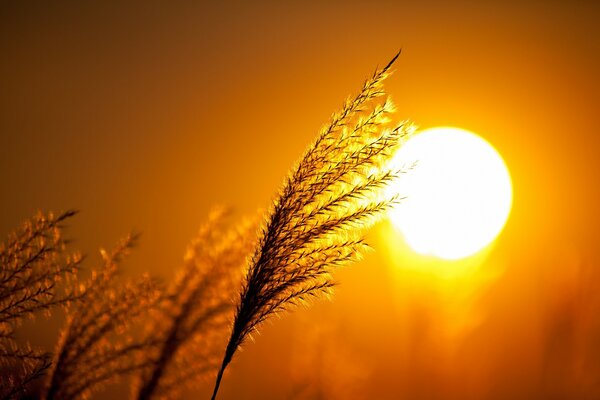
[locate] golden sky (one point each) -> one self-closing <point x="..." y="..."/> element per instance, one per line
<point x="145" y="115"/>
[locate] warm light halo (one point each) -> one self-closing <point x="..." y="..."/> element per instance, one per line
<point x="457" y="197"/>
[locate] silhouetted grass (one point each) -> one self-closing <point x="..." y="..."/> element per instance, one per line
<point x="33" y="262"/>
<point x="97" y="346"/>
<point x="335" y="191"/>
<point x="315" y="224"/>
<point x="192" y="323"/>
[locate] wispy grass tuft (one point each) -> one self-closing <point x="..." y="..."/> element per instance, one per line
<point x="33" y="263"/>
<point x="97" y="345"/>
<point x="191" y="325"/>
<point x="334" y="192"/>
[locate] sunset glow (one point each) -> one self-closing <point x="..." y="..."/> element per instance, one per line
<point x="458" y="195"/>
<point x="236" y="163"/>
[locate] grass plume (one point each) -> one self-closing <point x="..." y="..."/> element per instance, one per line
<point x="97" y="346"/>
<point x="33" y="263"/>
<point x="315" y="224"/>
<point x="193" y="320"/>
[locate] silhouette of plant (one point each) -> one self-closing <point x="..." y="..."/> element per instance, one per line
<point x="97" y="345"/>
<point x="192" y="323"/>
<point x="336" y="190"/>
<point x="33" y="262"/>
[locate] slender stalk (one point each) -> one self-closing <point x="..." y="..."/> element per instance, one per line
<point x="166" y="355"/>
<point x="218" y="381"/>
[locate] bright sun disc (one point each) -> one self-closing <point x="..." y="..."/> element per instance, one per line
<point x="458" y="196"/>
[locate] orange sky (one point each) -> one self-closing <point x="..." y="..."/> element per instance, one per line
<point x="144" y="116"/>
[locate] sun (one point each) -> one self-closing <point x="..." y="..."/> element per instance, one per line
<point x="457" y="197"/>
